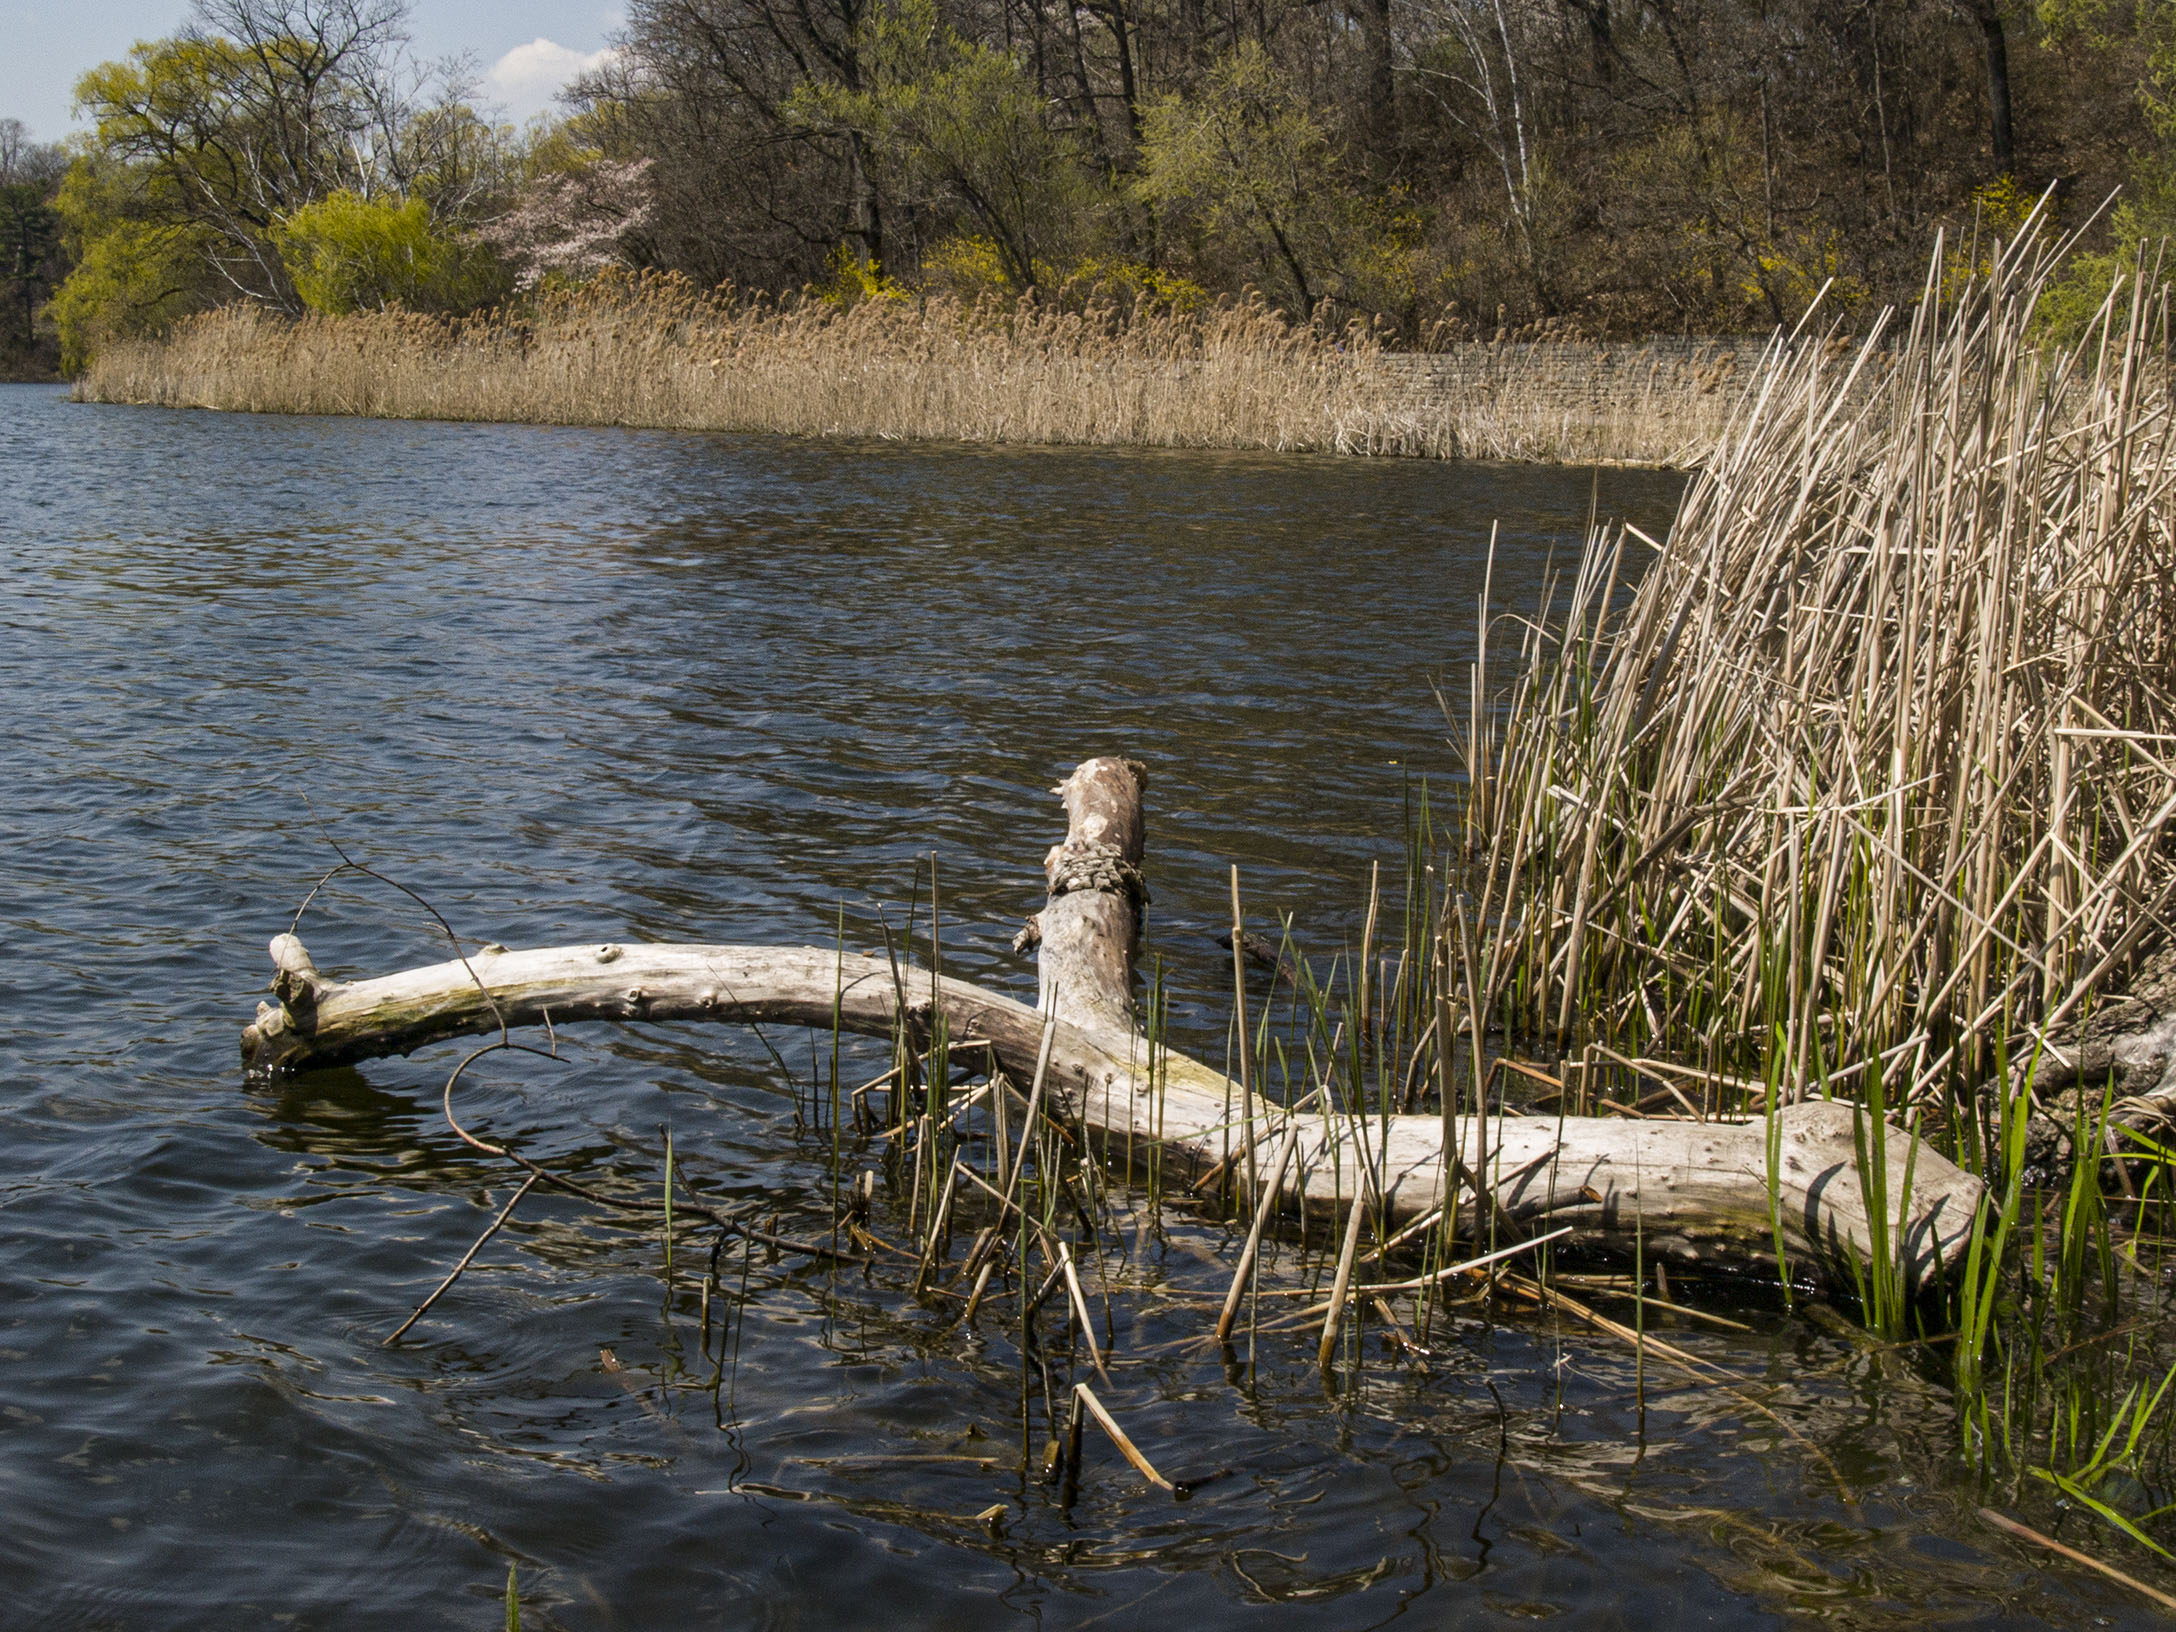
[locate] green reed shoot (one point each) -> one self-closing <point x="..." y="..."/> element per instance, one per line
<point x="2107" y="1467"/>
<point x="1883" y="1280"/>
<point x="668" y="1201"/>
<point x="1987" y="1254"/>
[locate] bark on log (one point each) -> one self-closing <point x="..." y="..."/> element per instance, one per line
<point x="1695" y="1190"/>
<point x="2126" y="1048"/>
<point x="1092" y="920"/>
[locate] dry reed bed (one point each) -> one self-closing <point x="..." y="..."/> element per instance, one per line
<point x="1873" y="760"/>
<point x="655" y="352"/>
<point x="1657" y="403"/>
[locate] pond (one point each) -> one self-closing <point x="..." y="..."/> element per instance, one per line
<point x="573" y="685"/>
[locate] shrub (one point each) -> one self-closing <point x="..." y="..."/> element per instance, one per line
<point x="347" y="253"/>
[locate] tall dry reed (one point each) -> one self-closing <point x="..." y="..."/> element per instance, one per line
<point x="1874" y="756"/>
<point x="654" y="351"/>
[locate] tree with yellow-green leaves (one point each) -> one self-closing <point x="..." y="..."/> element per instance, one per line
<point x="135" y="269"/>
<point x="347" y="252"/>
<point x="1255" y="175"/>
<point x="957" y="127"/>
<point x="282" y="152"/>
<point x="1443" y="167"/>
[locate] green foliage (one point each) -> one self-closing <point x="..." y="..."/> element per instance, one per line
<point x="218" y="140"/>
<point x="1636" y="168"/>
<point x="32" y="260"/>
<point x="959" y="127"/>
<point x="131" y="280"/>
<point x="1986" y="1254"/>
<point x="347" y="253"/>
<point x="1246" y="168"/>
<point x="2140" y="227"/>
<point x="2109" y="1472"/>
<point x="29" y="235"/>
<point x="2144" y="32"/>
<point x="283" y="161"/>
<point x="1884" y="1285"/>
<point x="2146" y="27"/>
<point x="133" y="273"/>
<point x="1492" y="166"/>
<point x="1248" y="164"/>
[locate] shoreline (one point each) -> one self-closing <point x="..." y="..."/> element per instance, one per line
<point x="1238" y="379"/>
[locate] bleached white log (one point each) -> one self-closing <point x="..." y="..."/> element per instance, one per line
<point x="1698" y="1190"/>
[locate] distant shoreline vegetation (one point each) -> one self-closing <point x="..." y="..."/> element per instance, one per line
<point x="1456" y="167"/>
<point x="654" y="351"/>
<point x="1438" y="174"/>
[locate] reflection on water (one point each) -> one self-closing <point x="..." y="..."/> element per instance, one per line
<point x="573" y="684"/>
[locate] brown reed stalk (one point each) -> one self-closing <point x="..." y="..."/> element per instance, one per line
<point x="1119" y="1437"/>
<point x="1326" y="1350"/>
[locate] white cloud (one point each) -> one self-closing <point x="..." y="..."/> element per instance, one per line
<point x="528" y="77"/>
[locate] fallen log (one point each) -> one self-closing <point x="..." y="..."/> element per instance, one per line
<point x="2125" y="1048"/>
<point x="1694" y="1190"/>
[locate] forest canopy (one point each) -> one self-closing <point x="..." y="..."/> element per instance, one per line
<point x="1441" y="167"/>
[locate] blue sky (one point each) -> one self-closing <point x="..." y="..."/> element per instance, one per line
<point x="524" y="49"/>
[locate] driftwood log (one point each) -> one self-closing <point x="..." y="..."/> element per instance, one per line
<point x="2124" y="1049"/>
<point x="1696" y="1190"/>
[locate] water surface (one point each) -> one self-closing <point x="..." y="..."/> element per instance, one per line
<point x="575" y="685"/>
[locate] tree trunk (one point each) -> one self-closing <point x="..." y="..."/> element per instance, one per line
<point x="1694" y="1190"/>
<point x="1994" y="40"/>
<point x="1382" y="112"/>
<point x="1093" y="916"/>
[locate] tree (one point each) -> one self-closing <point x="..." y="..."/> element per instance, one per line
<point x="743" y="190"/>
<point x="1693" y="166"/>
<point x="272" y="150"/>
<point x="30" y="244"/>
<point x="961" y="133"/>
<point x="1986" y="16"/>
<point x="572" y="218"/>
<point x="257" y="109"/>
<point x="347" y="253"/>
<point x="132" y="272"/>
<point x="1248" y="163"/>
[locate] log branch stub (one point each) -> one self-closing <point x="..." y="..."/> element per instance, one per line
<point x="295" y="978"/>
<point x="1089" y="926"/>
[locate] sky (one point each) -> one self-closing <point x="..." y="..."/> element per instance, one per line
<point x="524" y="50"/>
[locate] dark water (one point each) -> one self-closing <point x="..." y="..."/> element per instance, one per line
<point x="576" y="685"/>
